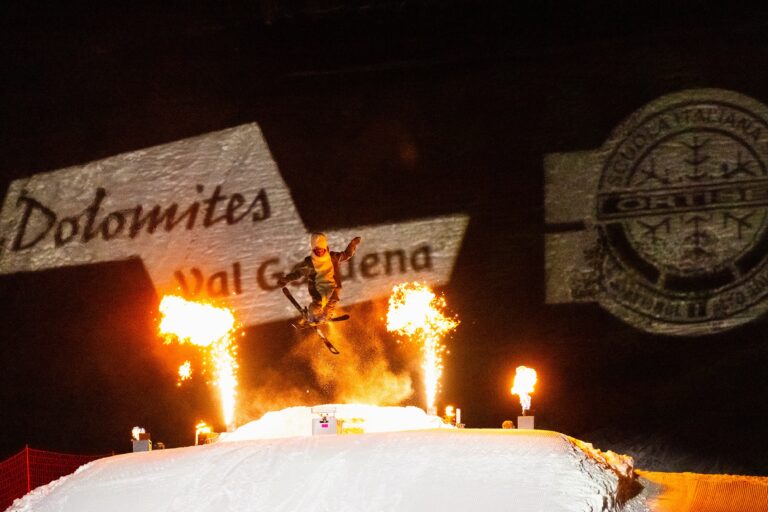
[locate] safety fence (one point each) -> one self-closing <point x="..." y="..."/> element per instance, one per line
<point x="32" y="468"/>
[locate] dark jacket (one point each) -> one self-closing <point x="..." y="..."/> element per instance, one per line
<point x="306" y="269"/>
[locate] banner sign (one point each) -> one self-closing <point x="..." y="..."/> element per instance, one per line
<point x="210" y="217"/>
<point x="665" y="225"/>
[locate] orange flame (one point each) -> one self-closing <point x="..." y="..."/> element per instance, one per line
<point x="185" y="372"/>
<point x="450" y="415"/>
<point x="417" y="313"/>
<point x="136" y="433"/>
<point x="525" y="379"/>
<point x="201" y="428"/>
<point x="210" y="328"/>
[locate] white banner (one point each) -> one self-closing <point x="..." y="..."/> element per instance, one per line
<point x="210" y="217"/>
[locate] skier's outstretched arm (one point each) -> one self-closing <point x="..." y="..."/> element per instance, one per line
<point x="350" y="250"/>
<point x="300" y="270"/>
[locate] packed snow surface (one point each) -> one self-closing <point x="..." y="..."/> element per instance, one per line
<point x="407" y="470"/>
<point x="297" y="421"/>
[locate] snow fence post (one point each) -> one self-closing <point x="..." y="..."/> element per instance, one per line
<point x="29" y="477"/>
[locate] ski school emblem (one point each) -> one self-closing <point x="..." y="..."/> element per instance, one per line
<point x="665" y="225"/>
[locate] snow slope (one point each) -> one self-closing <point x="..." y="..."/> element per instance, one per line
<point x="439" y="469"/>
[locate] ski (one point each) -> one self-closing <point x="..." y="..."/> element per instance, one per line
<point x="303" y="312"/>
<point x="288" y="294"/>
<point x="334" y="319"/>
<point x="328" y="344"/>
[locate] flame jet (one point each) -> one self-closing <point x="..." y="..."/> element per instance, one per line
<point x="211" y="329"/>
<point x="525" y="379"/>
<point x="417" y="313"/>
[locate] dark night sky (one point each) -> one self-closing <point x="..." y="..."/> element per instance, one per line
<point x="478" y="95"/>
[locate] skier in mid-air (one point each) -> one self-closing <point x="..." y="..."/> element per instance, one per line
<point x="321" y="268"/>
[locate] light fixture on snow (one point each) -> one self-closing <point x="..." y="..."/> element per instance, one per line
<point x="141" y="440"/>
<point x="202" y="432"/>
<point x="323" y="420"/>
<point x="450" y="415"/>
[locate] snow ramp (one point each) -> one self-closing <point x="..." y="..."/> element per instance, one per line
<point x="440" y="469"/>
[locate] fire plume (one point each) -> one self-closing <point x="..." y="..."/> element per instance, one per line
<point x="185" y="371"/>
<point x="212" y="330"/>
<point x="202" y="428"/>
<point x="525" y="379"/>
<point x="136" y="433"/>
<point x="417" y="313"/>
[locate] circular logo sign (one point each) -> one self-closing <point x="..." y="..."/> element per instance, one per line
<point x="682" y="214"/>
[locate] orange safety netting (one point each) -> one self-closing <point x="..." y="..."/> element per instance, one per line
<point x="32" y="468"/>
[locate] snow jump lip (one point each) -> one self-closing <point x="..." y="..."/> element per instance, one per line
<point x="441" y="469"/>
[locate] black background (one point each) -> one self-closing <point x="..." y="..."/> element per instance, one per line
<point x="393" y="111"/>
